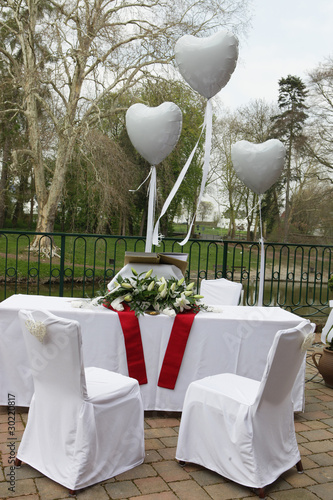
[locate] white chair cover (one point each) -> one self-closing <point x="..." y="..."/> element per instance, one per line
<point x="241" y="428"/>
<point x="220" y="292"/>
<point x="84" y="426"/>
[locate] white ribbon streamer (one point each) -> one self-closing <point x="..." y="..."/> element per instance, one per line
<point x="151" y="209"/>
<point x="262" y="260"/>
<point x="175" y="189"/>
<point x="208" y="123"/>
<point x="142" y="183"/>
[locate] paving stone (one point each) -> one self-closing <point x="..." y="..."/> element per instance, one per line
<point x="27" y="497"/>
<point x="122" y="489"/>
<point x="169" y="441"/>
<point x="168" y="453"/>
<point x="228" y="491"/>
<point x="322" y="459"/>
<point x="323" y="491"/>
<point x="322" y="475"/>
<point x="153" y="444"/>
<point x="171" y="471"/>
<point x="315" y="415"/>
<point x="206" y="477"/>
<point x="319" y="446"/>
<point x="300" y="426"/>
<point x="160" y="432"/>
<point x="315" y="407"/>
<point x="316" y="424"/>
<point x="152" y="456"/>
<point x="303" y="451"/>
<point x="96" y="492"/>
<point x="296" y="494"/>
<point x="143" y="470"/>
<point x="316" y="435"/>
<point x="22" y="487"/>
<point x="24" y="472"/>
<point x="49" y="490"/>
<point x="151" y="485"/>
<point x="189" y="490"/>
<point x="308" y="463"/>
<point x="165" y="495"/>
<point x="297" y="480"/>
<point x="301" y="439"/>
<point x="162" y="422"/>
<point x="325" y="397"/>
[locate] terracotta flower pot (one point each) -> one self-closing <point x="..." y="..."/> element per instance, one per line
<point x="325" y="365"/>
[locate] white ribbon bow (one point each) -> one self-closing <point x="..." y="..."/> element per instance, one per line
<point x="36" y="328"/>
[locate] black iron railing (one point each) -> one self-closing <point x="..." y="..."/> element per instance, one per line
<point x="81" y="265"/>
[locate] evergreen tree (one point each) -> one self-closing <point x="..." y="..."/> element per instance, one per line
<point x="288" y="127"/>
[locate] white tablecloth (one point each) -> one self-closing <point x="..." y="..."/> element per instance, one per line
<point x="235" y="340"/>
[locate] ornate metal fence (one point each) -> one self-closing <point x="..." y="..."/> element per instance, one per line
<point x="81" y="265"/>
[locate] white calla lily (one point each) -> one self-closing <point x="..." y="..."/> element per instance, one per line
<point x="117" y="305"/>
<point x="182" y="302"/>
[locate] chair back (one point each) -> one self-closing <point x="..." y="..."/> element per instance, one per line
<point x="220" y="292"/>
<point x="56" y="359"/>
<point x="283" y="363"/>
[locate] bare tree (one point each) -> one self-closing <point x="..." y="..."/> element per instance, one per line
<point x="74" y="52"/>
<point x="205" y="209"/>
<point x="251" y="123"/>
<point x="320" y="135"/>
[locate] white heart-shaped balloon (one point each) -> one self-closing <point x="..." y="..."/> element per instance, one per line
<point x="154" y="131"/>
<point x="258" y="165"/>
<point x="207" y="63"/>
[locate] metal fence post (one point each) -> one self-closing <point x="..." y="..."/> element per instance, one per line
<point x="62" y="265"/>
<point x="225" y="259"/>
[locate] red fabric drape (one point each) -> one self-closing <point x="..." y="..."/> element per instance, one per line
<point x="133" y="344"/>
<point x="175" y="350"/>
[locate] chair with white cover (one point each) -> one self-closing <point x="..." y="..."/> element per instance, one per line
<point x="241" y="428"/>
<point x="220" y="292"/>
<point x="84" y="425"/>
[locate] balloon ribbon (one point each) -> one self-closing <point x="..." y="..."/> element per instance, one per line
<point x="207" y="126"/>
<point x="151" y="209"/>
<point x="262" y="260"/>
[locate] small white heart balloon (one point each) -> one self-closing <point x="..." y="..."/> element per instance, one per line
<point x="207" y="63"/>
<point x="154" y="131"/>
<point x="258" y="165"/>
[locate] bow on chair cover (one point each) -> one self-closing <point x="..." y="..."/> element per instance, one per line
<point x="84" y="425"/>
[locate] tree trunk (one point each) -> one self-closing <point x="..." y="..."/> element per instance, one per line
<point x="3" y="182"/>
<point x="287" y="207"/>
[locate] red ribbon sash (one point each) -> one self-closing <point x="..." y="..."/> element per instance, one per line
<point x="133" y="344"/>
<point x="175" y="350"/>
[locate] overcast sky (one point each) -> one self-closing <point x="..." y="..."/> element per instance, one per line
<point x="287" y="37"/>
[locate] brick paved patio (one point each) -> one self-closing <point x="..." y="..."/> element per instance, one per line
<point x="161" y="478"/>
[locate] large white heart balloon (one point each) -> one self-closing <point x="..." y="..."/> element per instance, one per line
<point x="207" y="63"/>
<point x="154" y="131"/>
<point x="258" y="165"/>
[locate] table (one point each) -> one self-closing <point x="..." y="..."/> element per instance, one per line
<point x="236" y="340"/>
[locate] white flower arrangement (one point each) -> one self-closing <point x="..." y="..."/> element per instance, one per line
<point x="144" y="292"/>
